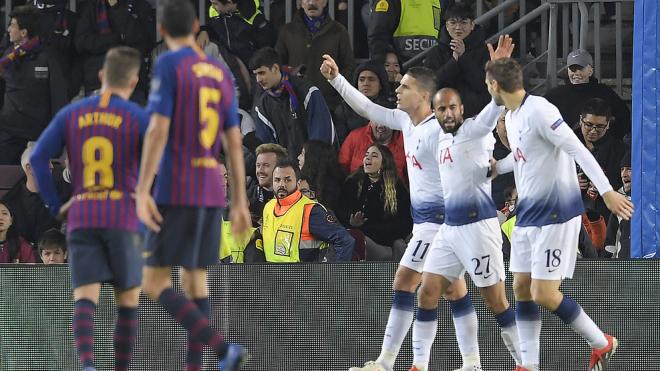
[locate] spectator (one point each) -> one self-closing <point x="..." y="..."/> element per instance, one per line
<point x="231" y="246"/>
<point x="56" y="30"/>
<point x="31" y="217"/>
<point x="595" y="119"/>
<point x="297" y="229"/>
<point x="393" y="68"/>
<point x="410" y="26"/>
<point x="318" y="164"/>
<point x="52" y="247"/>
<point x="371" y="80"/>
<point x="104" y="24"/>
<point x="13" y="248"/>
<point x="260" y="190"/>
<point x="35" y="86"/>
<point x="311" y="34"/>
<point x="240" y="27"/>
<point x="459" y="58"/>
<point x="351" y="153"/>
<point x="290" y="111"/>
<point x="376" y="202"/>
<point x="583" y="86"/>
<point x="617" y="240"/>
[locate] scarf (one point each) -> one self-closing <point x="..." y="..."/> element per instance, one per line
<point x="21" y="50"/>
<point x="313" y="24"/>
<point x="285" y="84"/>
<point x="102" y="21"/>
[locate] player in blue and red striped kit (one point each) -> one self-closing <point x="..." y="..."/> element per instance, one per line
<point x="192" y="104"/>
<point x="102" y="136"/>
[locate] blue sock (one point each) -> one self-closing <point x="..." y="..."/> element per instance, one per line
<point x="403" y="300"/>
<point x="568" y="310"/>
<point x="528" y="320"/>
<point x="83" y="331"/>
<point x="506" y="318"/>
<point x="195" y="348"/>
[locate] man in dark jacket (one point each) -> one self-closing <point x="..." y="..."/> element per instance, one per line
<point x="35" y="86"/>
<point x="371" y="80"/>
<point x="290" y="111"/>
<point x="582" y="87"/>
<point x="617" y="239"/>
<point x="459" y="58"/>
<point x="240" y="27"/>
<point x="311" y="34"/>
<point x="104" y="24"/>
<point x="595" y="119"/>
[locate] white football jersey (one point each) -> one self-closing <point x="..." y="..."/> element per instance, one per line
<point x="545" y="149"/>
<point x="464" y="162"/>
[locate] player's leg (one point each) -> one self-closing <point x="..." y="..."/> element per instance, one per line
<point x="124" y="253"/>
<point x="441" y="268"/>
<point x="426" y="318"/>
<point x="481" y="252"/>
<point x="528" y="317"/>
<point x="548" y="270"/>
<point x="86" y="298"/>
<point x="194" y="284"/>
<point x="466" y="324"/>
<point x="126" y="326"/>
<point x="89" y="267"/>
<point x="407" y="278"/>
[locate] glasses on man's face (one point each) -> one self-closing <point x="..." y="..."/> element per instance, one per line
<point x="463" y="23"/>
<point x="511" y="201"/>
<point x="591" y="126"/>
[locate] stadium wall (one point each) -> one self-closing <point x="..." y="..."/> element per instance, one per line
<point x="645" y="234"/>
<point x="320" y="317"/>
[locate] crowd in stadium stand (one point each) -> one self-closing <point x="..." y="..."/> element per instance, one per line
<point x="344" y="163"/>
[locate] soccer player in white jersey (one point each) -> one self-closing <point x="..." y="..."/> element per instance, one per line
<point x="470" y="239"/>
<point x="415" y="119"/>
<point x="544" y="241"/>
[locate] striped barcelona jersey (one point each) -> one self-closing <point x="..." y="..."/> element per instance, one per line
<point x="103" y="135"/>
<point x="196" y="93"/>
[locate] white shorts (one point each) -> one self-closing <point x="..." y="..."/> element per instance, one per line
<point x="548" y="252"/>
<point x="475" y="247"/>
<point x="418" y="246"/>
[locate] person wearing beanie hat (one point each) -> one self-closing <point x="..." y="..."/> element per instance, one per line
<point x="371" y="80"/>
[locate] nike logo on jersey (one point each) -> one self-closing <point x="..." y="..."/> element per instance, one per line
<point x="552" y="270"/>
<point x="488" y="276"/>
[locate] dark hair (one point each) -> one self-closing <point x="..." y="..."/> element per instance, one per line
<point x="321" y="164"/>
<point x="389" y="175"/>
<point x="52" y="238"/>
<point x="264" y="57"/>
<point x="425" y="79"/>
<point x="596" y="107"/>
<point x="12" y="241"/>
<point x="507" y="72"/>
<point x="27" y="18"/>
<point x="286" y="163"/>
<point x="176" y="17"/>
<point x="459" y="11"/>
<point x="120" y="64"/>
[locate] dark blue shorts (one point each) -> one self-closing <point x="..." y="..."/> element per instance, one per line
<point x="105" y="255"/>
<point x="189" y="237"/>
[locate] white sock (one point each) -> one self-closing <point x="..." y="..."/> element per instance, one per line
<point x="467" y="336"/>
<point x="586" y="327"/>
<point x="510" y="337"/>
<point x="528" y="321"/>
<point x="398" y="325"/>
<point x="423" y="335"/>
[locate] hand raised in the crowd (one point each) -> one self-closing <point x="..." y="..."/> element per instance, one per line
<point x="458" y="46"/>
<point x="357" y="219"/>
<point x="619" y="204"/>
<point x="504" y="49"/>
<point x="329" y="68"/>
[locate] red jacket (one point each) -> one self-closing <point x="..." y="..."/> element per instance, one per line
<point x="359" y="140"/>
<point x="26" y="254"/>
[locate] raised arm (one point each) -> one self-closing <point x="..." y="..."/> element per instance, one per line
<point x="392" y="118"/>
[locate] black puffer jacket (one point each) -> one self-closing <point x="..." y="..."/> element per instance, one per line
<point x="345" y="117"/>
<point x="467" y="74"/>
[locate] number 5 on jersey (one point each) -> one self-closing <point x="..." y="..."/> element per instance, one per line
<point x="208" y="115"/>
